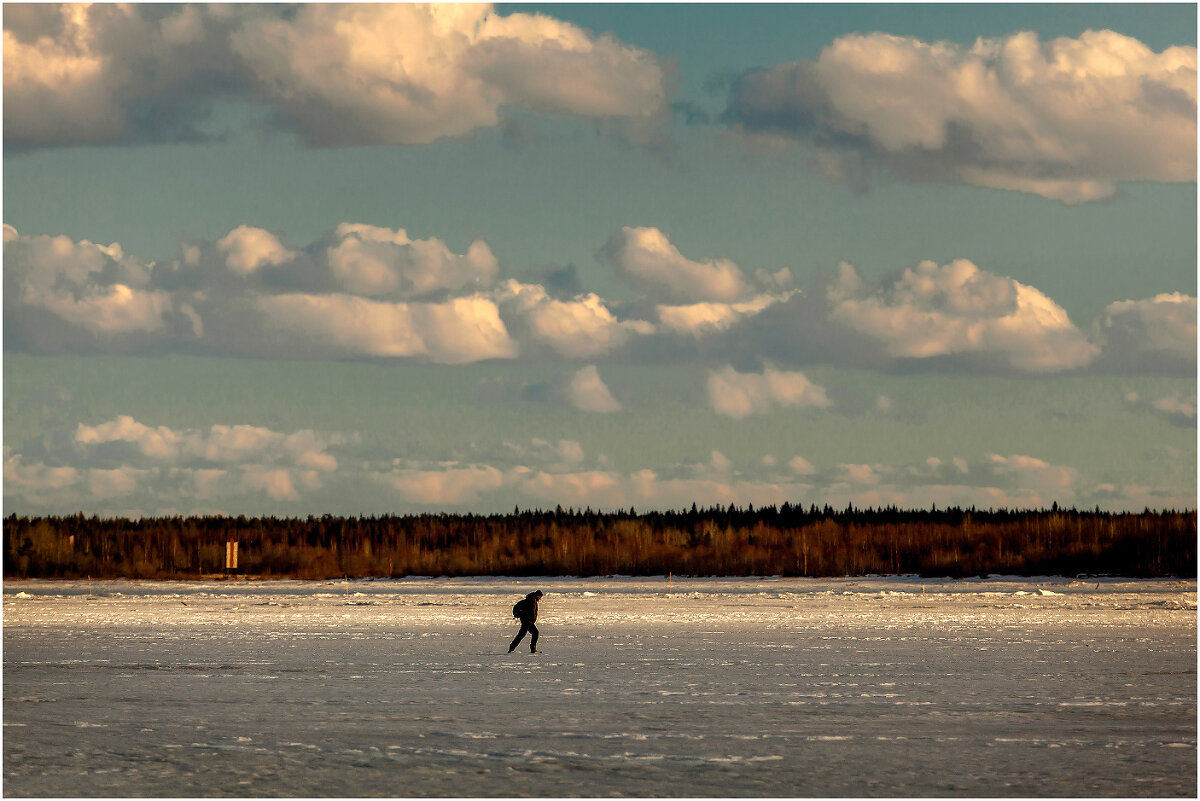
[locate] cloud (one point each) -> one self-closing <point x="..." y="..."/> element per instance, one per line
<point x="92" y="74"/>
<point x="247" y="248"/>
<point x="222" y="445"/>
<point x="1157" y="334"/>
<point x="801" y="466"/>
<point x="1065" y="119"/>
<point x="156" y="443"/>
<point x="157" y="465"/>
<point x="738" y="395"/>
<point x="930" y="311"/>
<point x="1177" y="410"/>
<point x="581" y="327"/>
<point x="991" y="481"/>
<point x="458" y="331"/>
<point x="451" y="486"/>
<point x="115" y="482"/>
<point x="94" y="289"/>
<point x="698" y="319"/>
<point x="374" y="292"/>
<point x="370" y="261"/>
<point x="275" y="483"/>
<point x="646" y="257"/>
<point x="587" y="392"/>
<point x="35" y="478"/>
<point x="337" y="75"/>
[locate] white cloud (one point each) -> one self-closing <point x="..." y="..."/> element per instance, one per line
<point x="646" y="257"/>
<point x="801" y="466"/>
<point x="933" y="311"/>
<point x="588" y="392"/>
<point x="1028" y="471"/>
<point x="452" y="486"/>
<point x="113" y="309"/>
<point x="698" y="319"/>
<point x="248" y="294"/>
<point x="157" y="443"/>
<point x="351" y="74"/>
<point x="206" y="483"/>
<point x="33" y="478"/>
<point x="219" y="444"/>
<point x="565" y="452"/>
<point x="401" y="73"/>
<point x="195" y="463"/>
<point x="1064" y="119"/>
<point x="372" y="261"/>
<point x="1173" y="408"/>
<point x="95" y="287"/>
<point x="247" y="248"/>
<point x="115" y="482"/>
<point x="1159" y="332"/>
<point x="277" y="484"/>
<point x="740" y="394"/>
<point x="461" y="330"/>
<point x="581" y="327"/>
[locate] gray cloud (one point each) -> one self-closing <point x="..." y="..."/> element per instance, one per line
<point x="1157" y="334"/>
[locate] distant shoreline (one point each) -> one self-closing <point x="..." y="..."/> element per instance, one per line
<point x="784" y="541"/>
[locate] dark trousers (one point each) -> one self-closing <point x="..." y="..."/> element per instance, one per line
<point x="526" y="626"/>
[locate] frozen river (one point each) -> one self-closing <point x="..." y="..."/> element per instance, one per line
<point x="729" y="687"/>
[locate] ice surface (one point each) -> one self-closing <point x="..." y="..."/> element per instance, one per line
<point x="687" y="687"/>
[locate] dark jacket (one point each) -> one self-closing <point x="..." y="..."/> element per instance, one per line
<point x="526" y="608"/>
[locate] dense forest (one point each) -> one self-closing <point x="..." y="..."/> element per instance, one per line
<point x="787" y="540"/>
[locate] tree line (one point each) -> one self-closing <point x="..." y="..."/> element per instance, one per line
<point x="786" y="540"/>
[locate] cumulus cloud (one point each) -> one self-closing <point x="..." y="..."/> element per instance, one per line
<point x="84" y="74"/>
<point x="446" y="486"/>
<point x="705" y="291"/>
<point x="1176" y="409"/>
<point x="646" y="257"/>
<point x="930" y="311"/>
<point x="247" y="248"/>
<point x="801" y="466"/>
<point x="1158" y="334"/>
<point x="581" y="327"/>
<point x="698" y="319"/>
<point x="460" y="330"/>
<point x="372" y="261"/>
<point x="1065" y="119"/>
<point x="587" y="392"/>
<point x="738" y="395"/>
<point x="158" y="443"/>
<point x="93" y="289"/>
<point x="988" y="481"/>
<point x="992" y="481"/>
<point x="219" y="445"/>
<point x="34" y="478"/>
<point x="335" y="74"/>
<point x="157" y="465"/>
<point x="374" y="292"/>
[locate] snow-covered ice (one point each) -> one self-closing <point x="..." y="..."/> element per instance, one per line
<point x="688" y="687"/>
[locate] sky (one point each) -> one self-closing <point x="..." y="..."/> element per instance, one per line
<point x="362" y="260"/>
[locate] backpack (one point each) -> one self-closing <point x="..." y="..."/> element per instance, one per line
<point x="519" y="607"/>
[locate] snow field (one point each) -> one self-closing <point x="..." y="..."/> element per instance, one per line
<point x="693" y="687"/>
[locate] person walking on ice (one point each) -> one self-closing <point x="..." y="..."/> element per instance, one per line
<point x="526" y="610"/>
